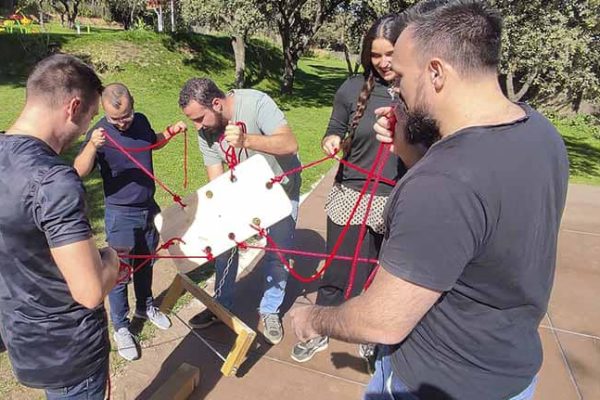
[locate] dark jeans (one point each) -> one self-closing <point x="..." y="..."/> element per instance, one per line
<point x="335" y="279"/>
<point x="92" y="388"/>
<point x="131" y="230"/>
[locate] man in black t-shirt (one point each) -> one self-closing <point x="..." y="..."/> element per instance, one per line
<point x="53" y="280"/>
<point x="468" y="259"/>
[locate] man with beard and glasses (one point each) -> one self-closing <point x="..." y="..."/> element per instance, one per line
<point x="215" y="115"/>
<point x="468" y="259"/>
<point x="129" y="203"/>
<point x="53" y="279"/>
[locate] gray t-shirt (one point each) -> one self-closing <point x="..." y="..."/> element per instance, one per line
<point x="477" y="219"/>
<point x="261" y="116"/>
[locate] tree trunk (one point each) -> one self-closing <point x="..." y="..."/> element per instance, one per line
<point x="289" y="70"/>
<point x="348" y="60"/>
<point x="128" y="24"/>
<point x="172" y="16"/>
<point x="159" y="14"/>
<point x="577" y="101"/>
<point x="510" y="88"/>
<point x="238" y="43"/>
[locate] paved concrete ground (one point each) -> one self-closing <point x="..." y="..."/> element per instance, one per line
<point x="570" y="332"/>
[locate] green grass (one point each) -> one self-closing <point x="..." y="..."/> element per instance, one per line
<point x="582" y="138"/>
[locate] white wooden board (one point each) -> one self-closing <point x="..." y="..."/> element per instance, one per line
<point x="222" y="208"/>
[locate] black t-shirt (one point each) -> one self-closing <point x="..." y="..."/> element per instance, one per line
<point x="364" y="144"/>
<point x="477" y="219"/>
<point x="52" y="341"/>
<point x="124" y="183"/>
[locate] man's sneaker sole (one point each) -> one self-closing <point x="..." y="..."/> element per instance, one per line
<point x="318" y="350"/>
<point x="272" y="342"/>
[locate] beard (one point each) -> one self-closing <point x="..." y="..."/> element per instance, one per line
<point x="219" y="127"/>
<point x="422" y="128"/>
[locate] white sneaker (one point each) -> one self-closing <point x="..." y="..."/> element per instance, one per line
<point x="126" y="344"/>
<point x="154" y="315"/>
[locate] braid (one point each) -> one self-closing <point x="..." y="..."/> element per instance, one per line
<point x="361" y="105"/>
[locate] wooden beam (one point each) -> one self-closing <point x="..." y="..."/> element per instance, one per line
<point x="174" y="292"/>
<point x="180" y="385"/>
<point x="245" y="335"/>
<point x="237" y="355"/>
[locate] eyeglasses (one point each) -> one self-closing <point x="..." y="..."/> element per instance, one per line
<point x="123" y="120"/>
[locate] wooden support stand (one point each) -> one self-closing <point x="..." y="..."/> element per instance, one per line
<point x="180" y="385"/>
<point x="245" y="335"/>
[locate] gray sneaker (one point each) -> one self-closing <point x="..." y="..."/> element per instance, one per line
<point x="304" y="351"/>
<point x="126" y="344"/>
<point x="154" y="315"/>
<point x="272" y="329"/>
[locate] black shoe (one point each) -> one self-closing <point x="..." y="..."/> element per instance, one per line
<point x="203" y="320"/>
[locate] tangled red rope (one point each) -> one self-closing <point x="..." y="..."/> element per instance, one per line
<point x="176" y="198"/>
<point x="233" y="159"/>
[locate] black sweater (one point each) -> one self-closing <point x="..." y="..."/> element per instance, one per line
<point x="364" y="144"/>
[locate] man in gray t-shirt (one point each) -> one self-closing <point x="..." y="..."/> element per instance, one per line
<point x="215" y="116"/>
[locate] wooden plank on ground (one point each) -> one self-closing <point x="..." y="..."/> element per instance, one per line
<point x="180" y="384"/>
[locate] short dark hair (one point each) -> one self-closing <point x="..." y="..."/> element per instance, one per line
<point x="202" y="90"/>
<point x="466" y="33"/>
<point x="56" y="78"/>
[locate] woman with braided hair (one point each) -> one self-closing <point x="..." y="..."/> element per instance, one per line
<point x="351" y="127"/>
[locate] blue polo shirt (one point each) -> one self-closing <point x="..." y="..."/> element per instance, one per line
<point x="124" y="183"/>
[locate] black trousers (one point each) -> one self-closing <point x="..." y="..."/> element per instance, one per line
<point x="336" y="278"/>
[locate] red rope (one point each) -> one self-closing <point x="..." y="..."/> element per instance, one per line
<point x="280" y="177"/>
<point x="338" y="243"/>
<point x="372" y="276"/>
<point x="231" y="158"/>
<point x="149" y="147"/>
<point x="244" y="245"/>
<point x="176" y="197"/>
<point x="185" y="160"/>
<point x="381" y="160"/>
<point x="364" y="171"/>
<point x="147" y="258"/>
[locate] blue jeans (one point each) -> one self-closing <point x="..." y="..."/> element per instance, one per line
<point x="131" y="230"/>
<point x="384" y="385"/>
<point x="92" y="388"/>
<point x="275" y="274"/>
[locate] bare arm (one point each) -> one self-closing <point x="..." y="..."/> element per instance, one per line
<point x="214" y="171"/>
<point x="171" y="131"/>
<point x="90" y="274"/>
<point x="281" y="142"/>
<point x="85" y="160"/>
<point x="386" y="313"/>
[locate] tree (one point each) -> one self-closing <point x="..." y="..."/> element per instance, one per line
<point x="550" y="51"/>
<point x="238" y="18"/>
<point x="297" y="22"/>
<point x="68" y="9"/>
<point x="126" y="11"/>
